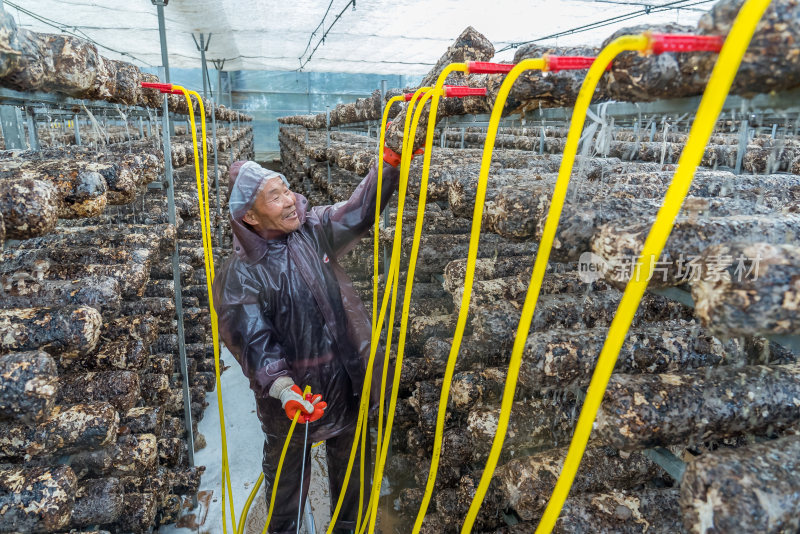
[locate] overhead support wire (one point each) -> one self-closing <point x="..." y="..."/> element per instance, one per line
<point x="322" y="39"/>
<point x="646" y="10"/>
<point x="310" y="37"/>
<point x="648" y="6"/>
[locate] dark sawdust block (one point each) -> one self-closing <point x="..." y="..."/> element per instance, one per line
<point x="155" y="388"/>
<point x="620" y="243"/>
<point x="161" y="307"/>
<point x="22" y="291"/>
<point x="751" y="489"/>
<point x="124" y="353"/>
<point x="641" y="411"/>
<point x="565" y="357"/>
<point x="552" y="89"/>
<point x="92" y="463"/>
<point x="20" y="259"/>
<point x="105" y="236"/>
<point x="144" y="420"/>
<point x="652" y="511"/>
<point x="758" y="292"/>
<point x="186" y="480"/>
<point x="156" y="482"/>
<point x="770" y="63"/>
<point x="498" y="323"/>
<point x="163" y="271"/>
<point x="138" y="513"/>
<point x="528" y="482"/>
<point x="65" y="431"/>
<point x="28" y="386"/>
<point x="119" y="388"/>
<point x="36" y="499"/>
<point x="82" y="192"/>
<point x="125" y="345"/>
<point x="635" y="77"/>
<point x="535" y="425"/>
<point x="67" y="330"/>
<point x="172" y="451"/>
<point x="30" y="207"/>
<point x="130" y="275"/>
<point x="97" y="501"/>
<point x="134" y="454"/>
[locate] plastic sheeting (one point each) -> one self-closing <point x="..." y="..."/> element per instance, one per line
<point x="397" y="37"/>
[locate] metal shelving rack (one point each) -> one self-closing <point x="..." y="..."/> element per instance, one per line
<point x="22" y="112"/>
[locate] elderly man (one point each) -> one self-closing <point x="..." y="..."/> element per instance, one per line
<point x="289" y="314"/>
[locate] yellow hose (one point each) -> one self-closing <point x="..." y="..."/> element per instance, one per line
<point x="714" y="96"/>
<point x="376" y="248"/>
<point x="208" y="258"/>
<point x="306" y="391"/>
<point x="392" y="272"/>
<point x="623" y="43"/>
<point x="393" y="279"/>
<point x="435" y="95"/>
<point x="472" y="255"/>
<point x="365" y="390"/>
<point x="248" y="502"/>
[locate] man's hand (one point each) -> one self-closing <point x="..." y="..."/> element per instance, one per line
<point x="291" y="397"/>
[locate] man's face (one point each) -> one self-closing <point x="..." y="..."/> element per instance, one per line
<point x="273" y="209"/>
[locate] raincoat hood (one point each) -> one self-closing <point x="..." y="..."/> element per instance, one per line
<point x="247" y="180"/>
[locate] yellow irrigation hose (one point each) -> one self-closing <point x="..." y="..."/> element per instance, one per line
<point x="472" y="255"/>
<point x="365" y="390"/>
<point x="376" y="248"/>
<point x="208" y="258"/>
<point x="376" y="334"/>
<point x="249" y="501"/>
<point x="361" y="475"/>
<point x="254" y="491"/>
<point x="435" y="95"/>
<point x="405" y="163"/>
<point x="714" y="96"/>
<point x="306" y="391"/>
<point x="623" y="43"/>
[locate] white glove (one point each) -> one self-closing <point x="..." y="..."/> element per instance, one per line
<point x="285" y="390"/>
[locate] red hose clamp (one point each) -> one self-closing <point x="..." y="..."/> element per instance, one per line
<point x="485" y="67"/>
<point x="409" y="96"/>
<point x="163" y="87"/>
<point x="557" y="63"/>
<point x="391" y="157"/>
<point x="459" y="91"/>
<point x="665" y="42"/>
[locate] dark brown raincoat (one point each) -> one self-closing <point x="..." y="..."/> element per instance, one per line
<point x="286" y="307"/>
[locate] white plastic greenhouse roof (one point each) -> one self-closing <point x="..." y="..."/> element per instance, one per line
<point x="381" y="37"/>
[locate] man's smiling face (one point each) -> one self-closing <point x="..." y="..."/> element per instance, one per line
<point x="274" y="209"/>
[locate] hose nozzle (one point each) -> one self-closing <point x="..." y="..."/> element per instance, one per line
<point x="485" y="67"/>
<point x="681" y="42"/>
<point x="558" y="63"/>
